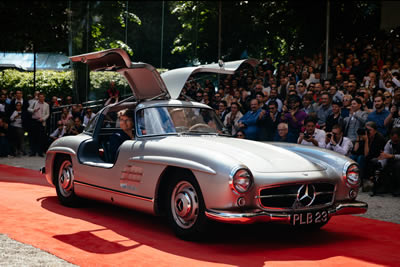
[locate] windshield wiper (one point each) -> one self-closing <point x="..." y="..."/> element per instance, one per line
<point x="205" y="133"/>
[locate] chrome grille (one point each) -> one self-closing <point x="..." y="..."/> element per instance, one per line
<point x="286" y="196"/>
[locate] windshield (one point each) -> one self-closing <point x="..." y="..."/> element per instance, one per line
<point x="174" y="120"/>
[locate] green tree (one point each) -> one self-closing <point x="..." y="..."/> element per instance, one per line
<point x="40" y="26"/>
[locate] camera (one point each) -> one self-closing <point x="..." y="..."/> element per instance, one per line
<point x="329" y="135"/>
<point x="361" y="131"/>
<point x="307" y="135"/>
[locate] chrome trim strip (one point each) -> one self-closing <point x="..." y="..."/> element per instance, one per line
<point x="163" y="160"/>
<point x="114" y="191"/>
<point x="281" y="195"/>
<point x="356" y="207"/>
<point x="293" y="195"/>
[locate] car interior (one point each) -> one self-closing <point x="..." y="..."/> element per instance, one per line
<point x="95" y="151"/>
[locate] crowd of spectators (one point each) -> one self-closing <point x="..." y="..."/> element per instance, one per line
<point x="25" y="122"/>
<point x="354" y="110"/>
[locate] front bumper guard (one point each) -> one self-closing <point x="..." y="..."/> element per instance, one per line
<point x="354" y="207"/>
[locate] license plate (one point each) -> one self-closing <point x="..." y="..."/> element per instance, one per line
<point x="311" y="217"/>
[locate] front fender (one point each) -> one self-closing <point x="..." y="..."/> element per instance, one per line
<point x="177" y="162"/>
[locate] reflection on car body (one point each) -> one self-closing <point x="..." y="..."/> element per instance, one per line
<point x="181" y="163"/>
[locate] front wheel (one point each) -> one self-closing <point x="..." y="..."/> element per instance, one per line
<point x="186" y="209"/>
<point x="64" y="182"/>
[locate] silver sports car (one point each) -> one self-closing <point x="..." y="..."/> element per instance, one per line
<point x="182" y="164"/>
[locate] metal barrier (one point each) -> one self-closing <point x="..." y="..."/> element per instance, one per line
<point x="55" y="113"/>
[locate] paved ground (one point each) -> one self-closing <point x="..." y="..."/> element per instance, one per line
<point x="16" y="254"/>
<point x="13" y="253"/>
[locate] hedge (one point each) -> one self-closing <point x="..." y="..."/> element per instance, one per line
<point x="60" y="83"/>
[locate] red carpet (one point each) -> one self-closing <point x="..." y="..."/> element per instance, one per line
<point x="103" y="235"/>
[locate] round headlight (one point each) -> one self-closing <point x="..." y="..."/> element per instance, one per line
<point x="242" y="181"/>
<point x="353" y="176"/>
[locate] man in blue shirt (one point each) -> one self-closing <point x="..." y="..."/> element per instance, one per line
<point x="379" y="115"/>
<point x="248" y="123"/>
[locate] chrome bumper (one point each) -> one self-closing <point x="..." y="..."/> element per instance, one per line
<point x="354" y="207"/>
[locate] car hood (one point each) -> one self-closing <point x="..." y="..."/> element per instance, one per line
<point x="257" y="156"/>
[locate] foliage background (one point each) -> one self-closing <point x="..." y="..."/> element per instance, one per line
<point x="279" y="30"/>
<point x="59" y="83"/>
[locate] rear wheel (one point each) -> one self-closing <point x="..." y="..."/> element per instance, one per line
<point x="186" y="209"/>
<point x="64" y="182"/>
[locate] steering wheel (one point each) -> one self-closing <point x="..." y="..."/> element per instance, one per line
<point x="199" y="126"/>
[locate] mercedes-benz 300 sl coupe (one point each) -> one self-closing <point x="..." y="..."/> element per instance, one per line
<point x="182" y="164"/>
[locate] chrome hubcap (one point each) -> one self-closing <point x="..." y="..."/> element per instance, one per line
<point x="184" y="204"/>
<point x="66" y="178"/>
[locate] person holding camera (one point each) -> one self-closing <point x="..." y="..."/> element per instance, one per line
<point x="387" y="76"/>
<point x="312" y="136"/>
<point x="390" y="161"/>
<point x="355" y="120"/>
<point x="393" y="119"/>
<point x="376" y="143"/>
<point x="337" y="142"/>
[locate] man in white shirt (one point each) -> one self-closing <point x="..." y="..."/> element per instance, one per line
<point x="312" y="136"/>
<point x="35" y="98"/>
<point x="231" y="121"/>
<point x="40" y="112"/>
<point x="337" y="142"/>
<point x="58" y="132"/>
<point x="89" y="115"/>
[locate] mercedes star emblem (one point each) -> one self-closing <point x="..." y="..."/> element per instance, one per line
<point x="306" y="194"/>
